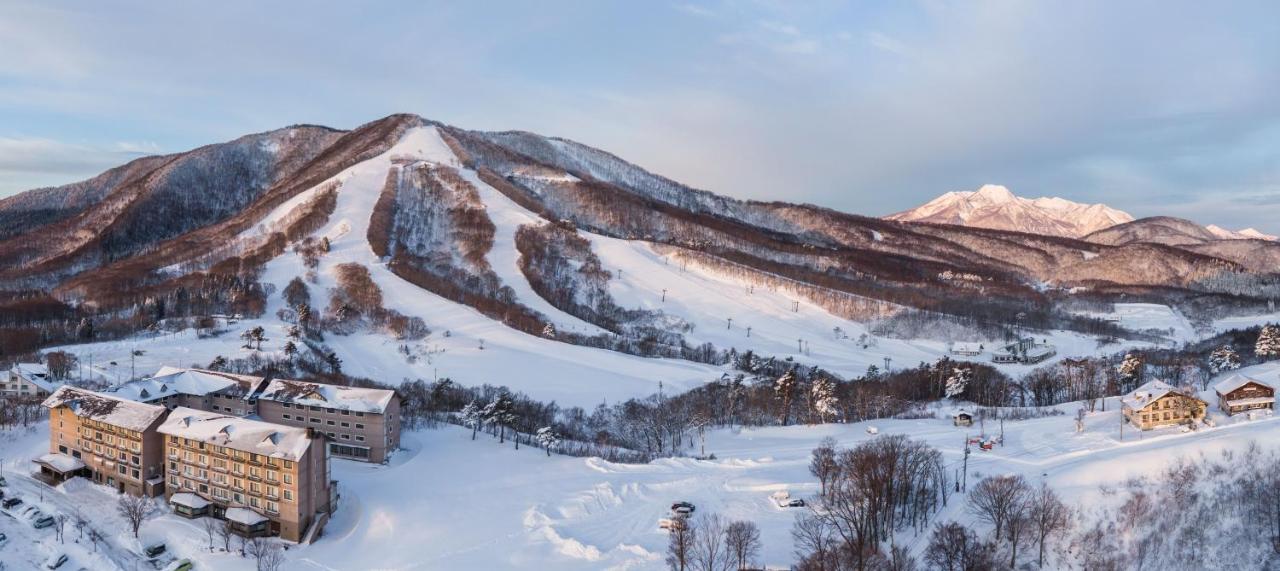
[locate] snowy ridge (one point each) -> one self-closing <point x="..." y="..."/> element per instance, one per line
<point x="1246" y="234"/>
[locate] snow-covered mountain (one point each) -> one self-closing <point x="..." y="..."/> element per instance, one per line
<point x="994" y="206"/>
<point x="1246" y="234"/>
<point x="424" y="250"/>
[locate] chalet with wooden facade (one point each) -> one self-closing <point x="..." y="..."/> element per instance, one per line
<point x="1156" y="404"/>
<point x="1241" y="393"/>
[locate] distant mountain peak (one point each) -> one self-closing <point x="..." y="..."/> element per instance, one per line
<point x="996" y="207"/>
<point x="1246" y="234"/>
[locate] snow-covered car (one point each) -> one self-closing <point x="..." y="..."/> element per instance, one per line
<point x="3" y="482"/>
<point x="55" y="561"/>
<point x="10" y="503"/>
<point x="3" y="538"/>
<point x="43" y="522"/>
<point x="184" y="565"/>
<point x="153" y="551"/>
<point x="682" y="508"/>
<point x="795" y="503"/>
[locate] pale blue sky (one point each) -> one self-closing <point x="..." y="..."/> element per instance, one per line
<point x="868" y="107"/>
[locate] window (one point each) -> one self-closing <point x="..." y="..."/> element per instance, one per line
<point x="285" y="416"/>
<point x="273" y="507"/>
<point x="315" y="420"/>
<point x="173" y="481"/>
<point x="123" y="469"/>
<point x="359" y="426"/>
<point x="346" y="437"/>
<point x="329" y="422"/>
<point x="346" y="413"/>
<point x="346" y="425"/>
<point x="359" y="438"/>
<point x="288" y="478"/>
<point x="288" y="495"/>
<point x="315" y="409"/>
<point x="62" y="449"/>
<point x="359" y="414"/>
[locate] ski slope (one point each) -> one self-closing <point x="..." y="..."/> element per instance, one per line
<point x="473" y="349"/>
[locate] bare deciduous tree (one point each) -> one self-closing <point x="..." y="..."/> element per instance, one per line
<point x="709" y="550"/>
<point x="1049" y="516"/>
<point x="995" y="498"/>
<point x="743" y="541"/>
<point x="134" y="509"/>
<point x="954" y="547"/>
<point x="823" y="465"/>
<point x="680" y="544"/>
<point x="211" y="526"/>
<point x="815" y="542"/>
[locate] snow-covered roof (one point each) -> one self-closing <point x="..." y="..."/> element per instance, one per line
<point x="962" y="347"/>
<point x="245" y="516"/>
<point x="1145" y="394"/>
<point x="962" y="411"/>
<point x="1235" y="381"/>
<point x="170" y="381"/>
<point x="106" y="408"/>
<point x="329" y="396"/>
<point x="274" y="440"/>
<point x="61" y="462"/>
<point x="36" y="374"/>
<point x="189" y="499"/>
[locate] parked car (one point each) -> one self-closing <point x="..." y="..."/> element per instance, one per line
<point x="682" y="508"/>
<point x="3" y="538"/>
<point x="795" y="503"/>
<point x="184" y="565"/>
<point x="153" y="551"/>
<point x="55" y="561"/>
<point x="11" y="503"/>
<point x="3" y="482"/>
<point x="43" y="522"/>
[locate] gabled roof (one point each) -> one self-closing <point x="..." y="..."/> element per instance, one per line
<point x="357" y="399"/>
<point x="169" y="381"/>
<point x="265" y="438"/>
<point x="36" y="374"/>
<point x="1235" y="381"/>
<point x="106" y="408"/>
<point x="1148" y="392"/>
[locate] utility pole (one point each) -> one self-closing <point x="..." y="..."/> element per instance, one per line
<point x="966" y="462"/>
<point x="730" y="323"/>
<point x="887" y="360"/>
<point x="664" y="295"/>
<point x="795" y="307"/>
<point x="748" y="331"/>
<point x="1002" y="432"/>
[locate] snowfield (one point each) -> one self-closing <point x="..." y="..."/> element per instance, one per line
<point x="446" y="502"/>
